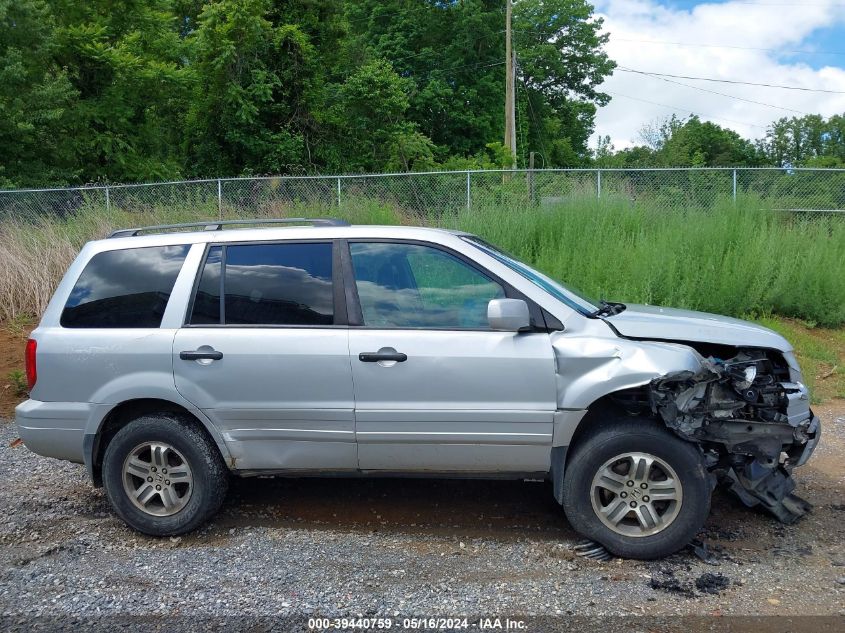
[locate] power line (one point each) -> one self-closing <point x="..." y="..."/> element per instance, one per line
<point x="541" y="133"/>
<point x="742" y="48"/>
<point x="424" y="7"/>
<point x="680" y="109"/>
<point x="478" y="65"/>
<point x="722" y="94"/>
<point x="732" y="81"/>
<point x="428" y="50"/>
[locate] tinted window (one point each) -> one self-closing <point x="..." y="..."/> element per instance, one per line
<point x="268" y="284"/>
<point x="207" y="300"/>
<point x="126" y="288"/>
<point x="407" y="285"/>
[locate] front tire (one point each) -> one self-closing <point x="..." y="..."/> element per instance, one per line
<point x="636" y="488"/>
<point x="163" y="475"/>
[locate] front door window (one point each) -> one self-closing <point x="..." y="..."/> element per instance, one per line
<point x="414" y="286"/>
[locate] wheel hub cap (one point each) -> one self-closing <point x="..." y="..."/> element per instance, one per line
<point x="157" y="479"/>
<point x="636" y="494"/>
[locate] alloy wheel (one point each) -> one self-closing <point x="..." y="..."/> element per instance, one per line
<point x="636" y="494"/>
<point x="157" y="479"/>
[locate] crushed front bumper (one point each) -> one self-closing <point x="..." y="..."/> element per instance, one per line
<point x="756" y="482"/>
<point x="754" y="428"/>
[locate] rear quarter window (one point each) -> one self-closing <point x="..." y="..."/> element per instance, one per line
<point x="127" y="288"/>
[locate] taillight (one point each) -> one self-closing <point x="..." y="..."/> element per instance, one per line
<point x="31" y="372"/>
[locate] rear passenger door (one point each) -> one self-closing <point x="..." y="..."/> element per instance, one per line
<point x="264" y="353"/>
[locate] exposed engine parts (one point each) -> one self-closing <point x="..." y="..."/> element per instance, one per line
<point x="752" y="422"/>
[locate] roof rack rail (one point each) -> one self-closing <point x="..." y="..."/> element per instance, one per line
<point x="217" y="225"/>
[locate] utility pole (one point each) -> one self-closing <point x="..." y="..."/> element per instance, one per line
<point x="510" y="99"/>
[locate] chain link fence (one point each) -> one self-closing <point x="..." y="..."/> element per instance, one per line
<point x="426" y="196"/>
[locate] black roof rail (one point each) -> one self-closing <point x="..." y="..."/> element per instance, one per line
<point x="217" y="225"/>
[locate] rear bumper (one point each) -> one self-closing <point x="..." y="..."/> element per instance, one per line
<point x="54" y="429"/>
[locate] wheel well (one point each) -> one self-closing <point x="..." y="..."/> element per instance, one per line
<point x="633" y="402"/>
<point x="122" y="415"/>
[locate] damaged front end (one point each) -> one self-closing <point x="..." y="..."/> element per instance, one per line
<point x="753" y="421"/>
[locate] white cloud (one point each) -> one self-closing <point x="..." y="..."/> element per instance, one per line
<point x="783" y="25"/>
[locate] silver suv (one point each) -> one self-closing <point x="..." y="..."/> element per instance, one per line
<point x="172" y="356"/>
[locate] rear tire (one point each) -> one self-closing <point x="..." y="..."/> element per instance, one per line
<point x="163" y="475"/>
<point x="636" y="488"/>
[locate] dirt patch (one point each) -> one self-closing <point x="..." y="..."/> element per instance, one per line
<point x="12" y="344"/>
<point x="821" y="353"/>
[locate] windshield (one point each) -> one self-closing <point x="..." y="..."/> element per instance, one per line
<point x="566" y="294"/>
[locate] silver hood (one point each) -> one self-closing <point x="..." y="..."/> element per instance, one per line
<point x="671" y="324"/>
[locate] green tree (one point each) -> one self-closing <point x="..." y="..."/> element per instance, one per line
<point x="36" y="100"/>
<point x="140" y="90"/>
<point x="835" y="139"/>
<point x="805" y="141"/>
<point x="126" y="61"/>
<point x="705" y="144"/>
<point x="561" y="64"/>
<point x="453" y="52"/>
<point x="656" y="133"/>
<point x="369" y="119"/>
<point x="262" y="70"/>
<point x="678" y="142"/>
<point x="238" y="118"/>
<point x="450" y="52"/>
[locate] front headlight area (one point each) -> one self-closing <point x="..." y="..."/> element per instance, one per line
<point x="795" y="374"/>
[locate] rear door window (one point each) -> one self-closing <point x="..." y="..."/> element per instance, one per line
<point x="127" y="288"/>
<point x="266" y="284"/>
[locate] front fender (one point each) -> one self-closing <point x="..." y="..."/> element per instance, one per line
<point x="589" y="367"/>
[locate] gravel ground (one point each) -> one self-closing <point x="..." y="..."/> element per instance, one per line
<point x="337" y="547"/>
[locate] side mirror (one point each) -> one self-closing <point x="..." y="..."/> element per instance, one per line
<point x="508" y="315"/>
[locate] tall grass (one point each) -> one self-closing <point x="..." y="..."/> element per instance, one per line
<point x="738" y="260"/>
<point x="733" y="259"/>
<point x="35" y="253"/>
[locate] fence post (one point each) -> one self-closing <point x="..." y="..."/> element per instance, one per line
<point x="468" y="191"/>
<point x="108" y="200"/>
<point x="338" y="192"/>
<point x="219" y="199"/>
<point x="531" y="189"/>
<point x="598" y="183"/>
<point x="734" y="190"/>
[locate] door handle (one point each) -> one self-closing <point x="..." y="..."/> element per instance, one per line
<point x="196" y="355"/>
<point x="374" y="357"/>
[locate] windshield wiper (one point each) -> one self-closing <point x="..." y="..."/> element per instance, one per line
<point x="608" y="309"/>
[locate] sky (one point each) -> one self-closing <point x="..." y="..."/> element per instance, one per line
<point x="802" y="42"/>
